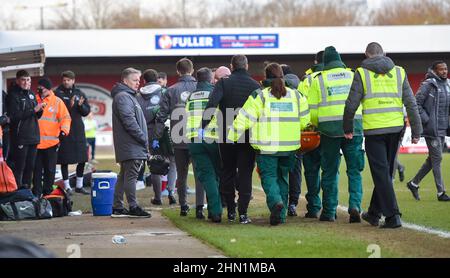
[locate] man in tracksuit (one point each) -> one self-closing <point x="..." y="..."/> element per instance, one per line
<point x="149" y="99"/>
<point x="24" y="112"/>
<point x="433" y="100"/>
<point x="173" y="104"/>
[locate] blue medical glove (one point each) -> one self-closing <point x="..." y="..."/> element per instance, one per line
<point x="201" y="133"/>
<point x="155" y="144"/>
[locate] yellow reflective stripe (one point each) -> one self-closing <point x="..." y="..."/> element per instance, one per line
<point x="279" y="119"/>
<point x="248" y="116"/>
<point x="322" y="89"/>
<point x="382" y="110"/>
<point x="313" y="106"/>
<point x="274" y="143"/>
<point x="368" y="83"/>
<point x="332" y="102"/>
<point x="399" y="81"/>
<point x="304" y="113"/>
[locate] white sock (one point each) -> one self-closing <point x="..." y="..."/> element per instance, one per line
<point x="415" y="185"/>
<point x="79" y="182"/>
<point x="67" y="185"/>
<point x="440" y="194"/>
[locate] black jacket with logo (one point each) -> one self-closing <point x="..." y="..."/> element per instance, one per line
<point x="24" y="127"/>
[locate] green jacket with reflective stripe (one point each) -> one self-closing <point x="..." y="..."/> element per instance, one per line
<point x="195" y="107"/>
<point x="382" y="102"/>
<point x="326" y="100"/>
<point x="275" y="124"/>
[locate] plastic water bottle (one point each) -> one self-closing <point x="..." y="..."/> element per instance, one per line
<point x="119" y="239"/>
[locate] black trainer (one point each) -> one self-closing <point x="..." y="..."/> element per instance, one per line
<point x="401" y="174"/>
<point x="199" y="212"/>
<point x="355" y="216"/>
<point x="138" y="212"/>
<point x="231" y="216"/>
<point x="172" y="200"/>
<point x="311" y="215"/>
<point x="444" y="198"/>
<point x="184" y="210"/>
<point x="275" y="214"/>
<point x="414" y="190"/>
<point x="392" y="222"/>
<point x="216" y="218"/>
<point x="326" y="218"/>
<point x="243" y="219"/>
<point x="120" y="213"/>
<point x="82" y="191"/>
<point x="156" y="202"/>
<point x="371" y="219"/>
<point x="292" y="210"/>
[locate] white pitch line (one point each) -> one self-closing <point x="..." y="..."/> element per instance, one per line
<point x="411" y="226"/>
<point x="415" y="227"/>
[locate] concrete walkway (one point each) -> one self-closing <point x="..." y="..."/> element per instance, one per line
<point x="87" y="236"/>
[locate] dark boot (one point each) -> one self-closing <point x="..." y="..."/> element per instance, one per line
<point x="199" y="212"/>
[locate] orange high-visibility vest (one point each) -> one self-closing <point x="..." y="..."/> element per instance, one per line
<point x="55" y="118"/>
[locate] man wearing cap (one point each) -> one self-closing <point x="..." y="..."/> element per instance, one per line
<point x="24" y="112"/>
<point x="53" y="125"/>
<point x="73" y="148"/>
<point x="327" y="96"/>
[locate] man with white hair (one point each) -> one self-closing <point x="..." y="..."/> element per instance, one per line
<point x="130" y="142"/>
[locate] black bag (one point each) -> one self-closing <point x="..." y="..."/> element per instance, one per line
<point x="60" y="201"/>
<point x="21" y="210"/>
<point x="18" y="195"/>
<point x="60" y="206"/>
<point x="158" y="165"/>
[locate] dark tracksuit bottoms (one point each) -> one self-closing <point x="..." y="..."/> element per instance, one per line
<point x="381" y="151"/>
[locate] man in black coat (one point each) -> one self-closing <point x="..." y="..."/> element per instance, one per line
<point x="24" y="112"/>
<point x="238" y="160"/>
<point x="73" y="148"/>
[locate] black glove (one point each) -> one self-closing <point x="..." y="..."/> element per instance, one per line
<point x="62" y="134"/>
<point x="4" y="120"/>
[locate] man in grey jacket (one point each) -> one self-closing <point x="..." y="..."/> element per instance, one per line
<point x="381" y="87"/>
<point x="130" y="142"/>
<point x="433" y="99"/>
<point x="172" y="106"/>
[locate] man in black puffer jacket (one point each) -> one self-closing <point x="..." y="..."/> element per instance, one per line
<point x="24" y="112"/>
<point x="73" y="148"/>
<point x="433" y="100"/>
<point x="229" y="95"/>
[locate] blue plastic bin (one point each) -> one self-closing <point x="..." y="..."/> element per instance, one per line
<point x="102" y="193"/>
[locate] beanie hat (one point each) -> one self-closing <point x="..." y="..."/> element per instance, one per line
<point x="330" y="54"/>
<point x="46" y="83"/>
<point x="332" y="59"/>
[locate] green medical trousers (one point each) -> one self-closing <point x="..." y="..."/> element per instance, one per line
<point x="274" y="171"/>
<point x="311" y="163"/>
<point x="330" y="162"/>
<point x="206" y="170"/>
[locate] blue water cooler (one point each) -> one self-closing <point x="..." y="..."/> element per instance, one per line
<point x="102" y="193"/>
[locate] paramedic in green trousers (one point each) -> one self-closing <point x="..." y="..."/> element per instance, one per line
<point x="203" y="143"/>
<point x="275" y="116"/>
<point x="327" y="96"/>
